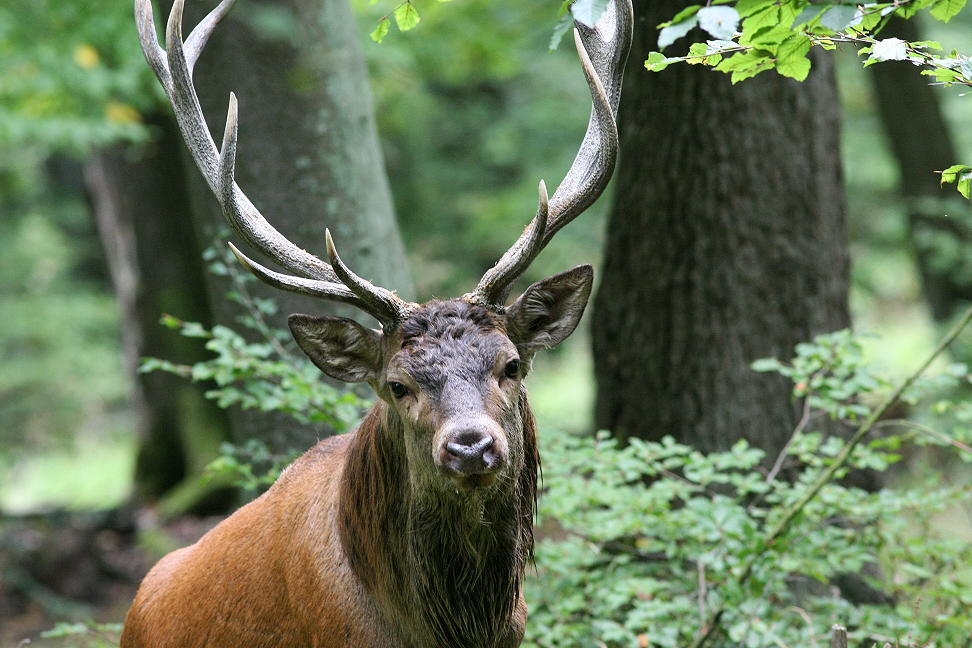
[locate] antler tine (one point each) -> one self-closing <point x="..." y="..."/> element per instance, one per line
<point x="494" y="287"/>
<point x="173" y="66"/>
<point x="383" y="304"/>
<point x="154" y="54"/>
<point x="199" y="36"/>
<point x="299" y="285"/>
<point x="603" y="50"/>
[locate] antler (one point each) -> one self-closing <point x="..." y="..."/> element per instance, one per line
<point x="602" y="51"/>
<point x="173" y="66"/>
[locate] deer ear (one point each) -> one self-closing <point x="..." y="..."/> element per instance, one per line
<point x="549" y="310"/>
<point x="340" y="347"/>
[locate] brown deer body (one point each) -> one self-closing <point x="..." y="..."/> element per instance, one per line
<point x="355" y="524"/>
<point x="413" y="530"/>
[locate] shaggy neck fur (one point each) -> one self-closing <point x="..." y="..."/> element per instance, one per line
<point x="446" y="566"/>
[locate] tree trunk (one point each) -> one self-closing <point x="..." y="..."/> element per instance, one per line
<point x="142" y="215"/>
<point x="726" y="243"/>
<point x="308" y="156"/>
<point x="939" y="223"/>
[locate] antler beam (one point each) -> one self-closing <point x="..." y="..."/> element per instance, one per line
<point x="174" y="66"/>
<point x="603" y="50"/>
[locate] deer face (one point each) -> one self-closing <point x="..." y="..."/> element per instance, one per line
<point x="451" y="373"/>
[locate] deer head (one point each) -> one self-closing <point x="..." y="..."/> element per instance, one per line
<point x="449" y="371"/>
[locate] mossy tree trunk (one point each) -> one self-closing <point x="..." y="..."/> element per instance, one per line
<point x="726" y="243"/>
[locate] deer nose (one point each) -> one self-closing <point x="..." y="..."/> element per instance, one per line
<point x="470" y="452"/>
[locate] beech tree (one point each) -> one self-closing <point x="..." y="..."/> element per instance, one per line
<point x="726" y="243"/>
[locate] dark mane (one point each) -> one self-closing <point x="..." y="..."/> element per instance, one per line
<point x="452" y="582"/>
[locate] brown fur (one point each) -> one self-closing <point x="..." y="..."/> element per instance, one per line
<point x="372" y="539"/>
<point x="338" y="555"/>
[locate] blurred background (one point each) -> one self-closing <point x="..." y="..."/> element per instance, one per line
<point x="432" y="142"/>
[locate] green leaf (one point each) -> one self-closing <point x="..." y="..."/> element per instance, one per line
<point x="961" y="175"/>
<point x="768" y="17"/>
<point x="796" y="46"/>
<point x="766" y="364"/>
<point x="657" y="62"/>
<point x="744" y="73"/>
<point x="964" y="185"/>
<point x="684" y="14"/>
<point x="945" y="10"/>
<point x="381" y="30"/>
<point x="838" y="18"/>
<point x="564" y="24"/>
<point x="749" y="7"/>
<point x="588" y="12"/>
<point x="768" y="38"/>
<point x="742" y="59"/>
<point x="889" y="49"/>
<point x="808" y="14"/>
<point x="406" y="16"/>
<point x="797" y="68"/>
<point x="720" y="22"/>
<point x="672" y="33"/>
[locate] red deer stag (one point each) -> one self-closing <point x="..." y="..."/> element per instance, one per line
<point x="413" y="530"/>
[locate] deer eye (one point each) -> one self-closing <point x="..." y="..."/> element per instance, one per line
<point x="398" y="390"/>
<point x="512" y="369"/>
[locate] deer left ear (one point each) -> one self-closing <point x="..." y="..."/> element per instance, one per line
<point x="549" y="310"/>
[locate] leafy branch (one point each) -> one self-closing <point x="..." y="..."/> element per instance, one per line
<point x="750" y="37"/>
<point x="792" y="512"/>
<point x="406" y="17"/>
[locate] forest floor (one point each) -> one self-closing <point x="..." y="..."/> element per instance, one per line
<point x="80" y="566"/>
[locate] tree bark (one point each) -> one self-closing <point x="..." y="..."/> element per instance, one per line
<point x="939" y="223"/>
<point x="726" y="243"/>
<point x="143" y="221"/>
<point x="308" y="156"/>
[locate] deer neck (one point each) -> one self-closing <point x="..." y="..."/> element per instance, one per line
<point x="446" y="565"/>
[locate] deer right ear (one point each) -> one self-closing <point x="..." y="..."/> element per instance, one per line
<point x="340" y="347"/>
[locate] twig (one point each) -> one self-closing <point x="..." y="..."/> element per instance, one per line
<point x="703" y="589"/>
<point x="790" y="514"/>
<point x="918" y="427"/>
<point x="804" y="420"/>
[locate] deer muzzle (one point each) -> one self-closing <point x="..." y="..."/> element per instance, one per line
<point x="472" y="453"/>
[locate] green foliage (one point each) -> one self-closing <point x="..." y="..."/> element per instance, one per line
<point x="749" y="37"/>
<point x="753" y="36"/>
<point x="406" y="17"/>
<point x="830" y="373"/>
<point x="83" y="84"/>
<point x="85" y="634"/>
<point x="268" y="374"/>
<point x="961" y="176"/>
<point x="653" y="537"/>
<point x="252" y="466"/>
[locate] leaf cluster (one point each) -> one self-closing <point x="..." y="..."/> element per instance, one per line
<point x="749" y="37"/>
<point x="83" y="84"/>
<point x="257" y="368"/>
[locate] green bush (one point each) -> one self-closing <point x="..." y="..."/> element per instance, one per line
<point x="651" y="540"/>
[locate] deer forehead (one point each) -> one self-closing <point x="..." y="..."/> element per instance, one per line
<point x="451" y="341"/>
